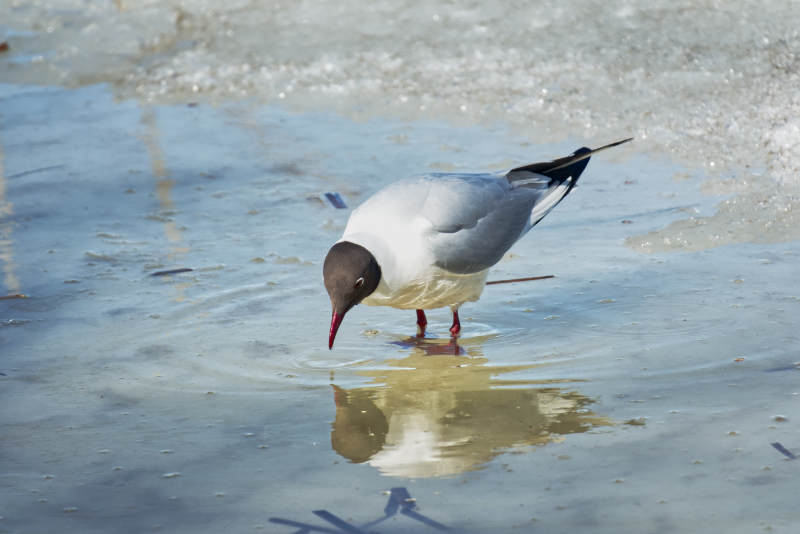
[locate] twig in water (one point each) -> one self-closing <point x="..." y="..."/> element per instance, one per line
<point x="35" y="171"/>
<point x="172" y="271"/>
<point x="519" y="280"/>
<point x="336" y="200"/>
<point x="17" y="296"/>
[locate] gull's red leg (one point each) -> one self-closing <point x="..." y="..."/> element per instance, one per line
<point x="422" y="322"/>
<point x="456" y="328"/>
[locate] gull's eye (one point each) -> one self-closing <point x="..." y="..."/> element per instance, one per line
<point x="359" y="283"/>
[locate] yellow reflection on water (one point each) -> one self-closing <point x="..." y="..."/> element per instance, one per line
<point x="10" y="280"/>
<point x="164" y="186"/>
<point x="443" y="411"/>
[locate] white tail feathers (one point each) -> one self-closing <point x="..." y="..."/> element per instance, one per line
<point x="519" y="178"/>
<point x="549" y="200"/>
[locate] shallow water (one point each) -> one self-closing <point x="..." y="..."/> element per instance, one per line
<point x="632" y="392"/>
<point x="608" y="397"/>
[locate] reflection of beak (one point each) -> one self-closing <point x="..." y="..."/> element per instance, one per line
<point x="336" y="320"/>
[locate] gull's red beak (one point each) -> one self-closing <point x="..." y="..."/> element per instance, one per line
<point x="336" y="320"/>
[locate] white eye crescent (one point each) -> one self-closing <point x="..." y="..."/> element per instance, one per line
<point x="359" y="283"/>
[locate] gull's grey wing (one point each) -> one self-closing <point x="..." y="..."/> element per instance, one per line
<point x="475" y="219"/>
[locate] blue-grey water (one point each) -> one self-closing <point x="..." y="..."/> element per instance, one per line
<point x="640" y="390"/>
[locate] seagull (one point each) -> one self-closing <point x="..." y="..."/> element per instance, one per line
<point x="428" y="241"/>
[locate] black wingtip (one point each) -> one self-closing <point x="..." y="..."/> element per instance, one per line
<point x="612" y="145"/>
<point x="547" y="167"/>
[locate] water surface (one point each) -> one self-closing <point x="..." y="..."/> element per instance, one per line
<point x="641" y="389"/>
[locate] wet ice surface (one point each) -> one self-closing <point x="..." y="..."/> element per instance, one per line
<point x="711" y="86"/>
<point x="606" y="398"/>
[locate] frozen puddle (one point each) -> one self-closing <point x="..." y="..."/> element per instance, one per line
<point x="608" y="398"/>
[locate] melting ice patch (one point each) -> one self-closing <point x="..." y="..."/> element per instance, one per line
<point x="708" y="87"/>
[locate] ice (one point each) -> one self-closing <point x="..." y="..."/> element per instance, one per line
<point x="651" y="385"/>
<point x="706" y="86"/>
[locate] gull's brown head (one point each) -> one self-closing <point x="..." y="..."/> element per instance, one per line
<point x="351" y="274"/>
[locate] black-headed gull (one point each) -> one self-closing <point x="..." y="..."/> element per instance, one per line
<point x="429" y="241"/>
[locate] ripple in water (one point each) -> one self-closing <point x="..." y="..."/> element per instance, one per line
<point x="329" y="360"/>
<point x="643" y="317"/>
<point x="397" y="329"/>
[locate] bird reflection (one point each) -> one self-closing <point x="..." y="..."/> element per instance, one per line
<point x="432" y="346"/>
<point x="442" y="411"/>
